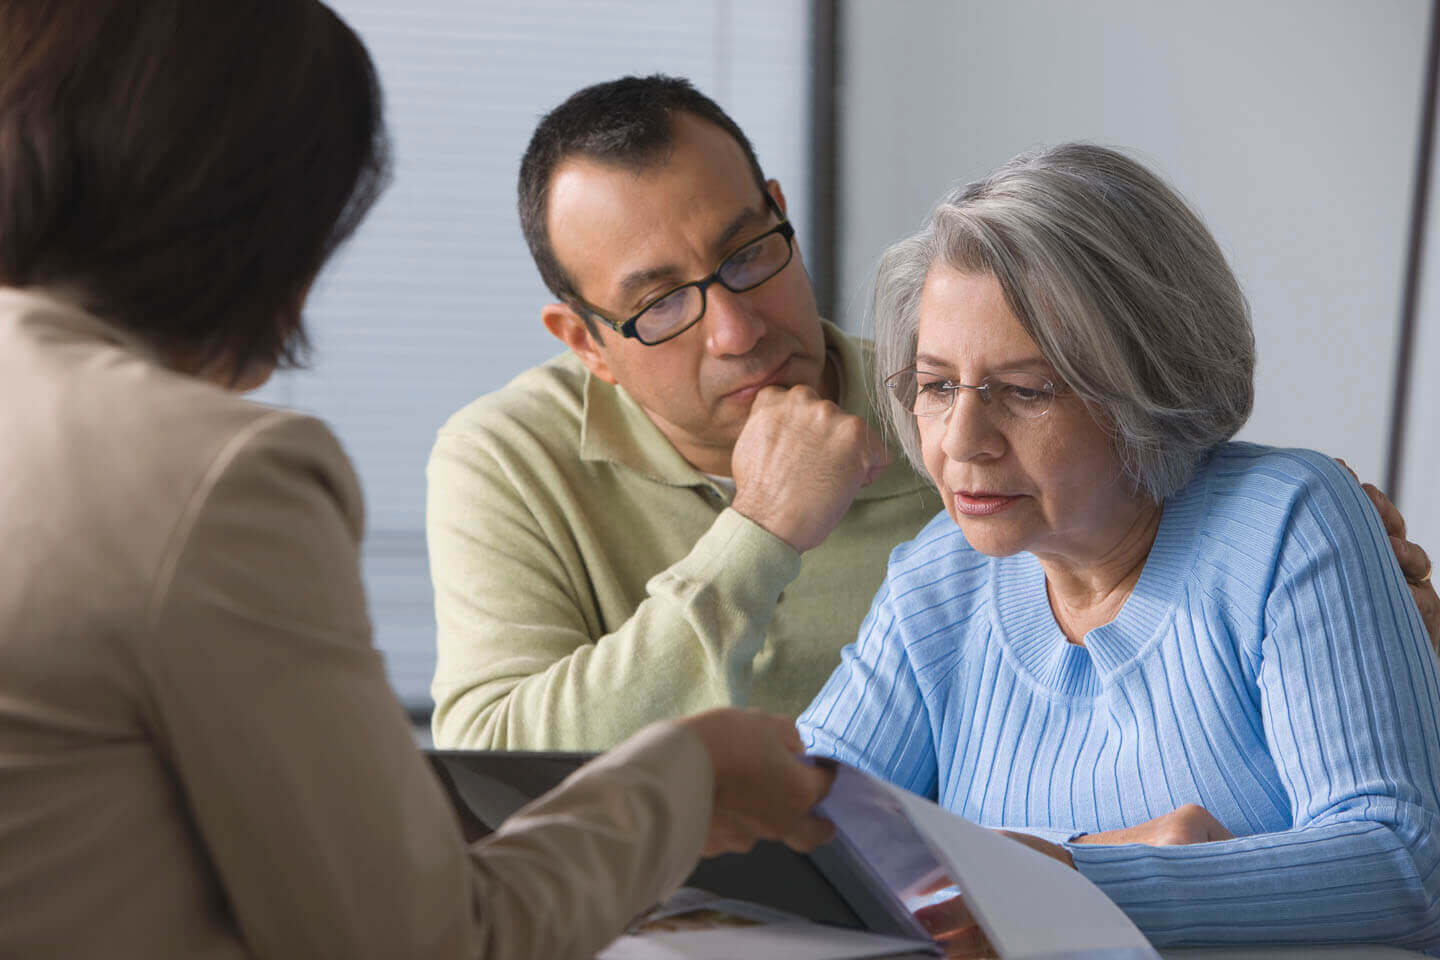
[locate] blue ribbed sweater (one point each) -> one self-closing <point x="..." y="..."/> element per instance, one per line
<point x="1269" y="665"/>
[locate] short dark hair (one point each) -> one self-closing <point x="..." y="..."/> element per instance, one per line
<point x="185" y="167"/>
<point x="628" y="122"/>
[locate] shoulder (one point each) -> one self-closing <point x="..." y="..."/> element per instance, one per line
<point x="132" y="459"/>
<point x="272" y="531"/>
<point x="937" y="566"/>
<point x="1268" y="503"/>
<point x="131" y="446"/>
<point x="1268" y="485"/>
<point x="533" y="426"/>
<point x="542" y="400"/>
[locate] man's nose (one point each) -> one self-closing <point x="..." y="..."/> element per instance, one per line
<point x="732" y="327"/>
<point x="970" y="429"/>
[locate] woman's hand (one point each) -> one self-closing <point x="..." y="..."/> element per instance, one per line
<point x="1052" y="850"/>
<point x="1191" y="823"/>
<point x="763" y="791"/>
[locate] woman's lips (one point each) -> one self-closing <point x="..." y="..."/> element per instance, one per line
<point x="980" y="504"/>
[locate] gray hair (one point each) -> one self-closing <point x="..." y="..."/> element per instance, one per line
<point x="1116" y="280"/>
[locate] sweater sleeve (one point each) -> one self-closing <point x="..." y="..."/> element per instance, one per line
<point x="1348" y="694"/>
<point x="871" y="713"/>
<point x="328" y="833"/>
<point x="519" y="663"/>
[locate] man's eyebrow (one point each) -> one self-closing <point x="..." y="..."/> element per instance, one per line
<point x="638" y="280"/>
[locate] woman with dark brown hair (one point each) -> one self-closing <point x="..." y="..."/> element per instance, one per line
<point x="199" y="753"/>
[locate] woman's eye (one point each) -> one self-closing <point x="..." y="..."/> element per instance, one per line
<point x="934" y="388"/>
<point x="1019" y="393"/>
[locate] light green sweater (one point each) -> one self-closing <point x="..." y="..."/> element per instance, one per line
<point x="589" y="580"/>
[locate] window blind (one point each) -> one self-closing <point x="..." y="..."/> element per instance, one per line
<point x="435" y="301"/>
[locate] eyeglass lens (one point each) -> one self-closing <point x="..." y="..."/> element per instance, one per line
<point x="743" y="270"/>
<point x="1020" y="394"/>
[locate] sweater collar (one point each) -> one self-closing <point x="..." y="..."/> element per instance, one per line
<point x="1022" y="606"/>
<point x="615" y="429"/>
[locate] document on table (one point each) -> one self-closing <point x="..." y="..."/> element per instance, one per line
<point x="695" y="925"/>
<point x="895" y="854"/>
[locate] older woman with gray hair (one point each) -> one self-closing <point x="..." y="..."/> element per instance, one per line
<point x="1188" y="667"/>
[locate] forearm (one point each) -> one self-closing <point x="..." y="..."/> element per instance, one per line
<point x="519" y="667"/>
<point x="619" y="835"/>
<point x="1356" y="880"/>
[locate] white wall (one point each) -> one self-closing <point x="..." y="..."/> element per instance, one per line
<point x="1420" y="473"/>
<point x="1289" y="124"/>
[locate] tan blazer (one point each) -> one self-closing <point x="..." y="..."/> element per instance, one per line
<point x="199" y="754"/>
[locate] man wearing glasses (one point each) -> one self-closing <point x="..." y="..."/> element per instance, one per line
<point x="692" y="506"/>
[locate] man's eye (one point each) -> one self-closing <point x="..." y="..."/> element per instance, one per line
<point x="673" y="302"/>
<point x="743" y="256"/>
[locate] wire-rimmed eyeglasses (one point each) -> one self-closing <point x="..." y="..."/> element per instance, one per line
<point x="1018" y="394"/>
<point x="677" y="310"/>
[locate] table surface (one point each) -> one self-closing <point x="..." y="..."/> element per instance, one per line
<point x="1357" y="952"/>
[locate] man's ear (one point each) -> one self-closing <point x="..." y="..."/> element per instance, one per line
<point x="566" y="326"/>
<point x="776" y="194"/>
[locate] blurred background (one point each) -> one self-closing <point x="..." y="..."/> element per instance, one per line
<point x="1295" y="127"/>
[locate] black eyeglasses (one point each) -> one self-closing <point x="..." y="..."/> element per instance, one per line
<point x="674" y="312"/>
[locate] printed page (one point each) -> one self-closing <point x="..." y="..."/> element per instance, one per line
<point x="1029" y="905"/>
<point x="695" y="925"/>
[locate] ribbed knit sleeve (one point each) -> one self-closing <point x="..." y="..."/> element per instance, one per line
<point x="870" y="713"/>
<point x="1347" y="694"/>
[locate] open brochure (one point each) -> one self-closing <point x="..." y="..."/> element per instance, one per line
<point x="910" y="855"/>
<point x="893" y="876"/>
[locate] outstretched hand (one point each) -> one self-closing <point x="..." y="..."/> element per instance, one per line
<point x="1414" y="561"/>
<point x="763" y="790"/>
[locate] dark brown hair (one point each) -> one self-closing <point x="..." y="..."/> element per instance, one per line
<point x="627" y="122"/>
<point x="185" y="166"/>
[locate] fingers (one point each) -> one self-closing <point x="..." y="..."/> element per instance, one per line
<point x="1429" y="604"/>
<point x="877" y="455"/>
<point x="763" y="789"/>
<point x="806" y="830"/>
<point x="809" y="833"/>
<point x="789" y="736"/>
<point x="728" y="834"/>
<point x="798" y="463"/>
<point x="1414" y="561"/>
<point x="1389" y="515"/>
